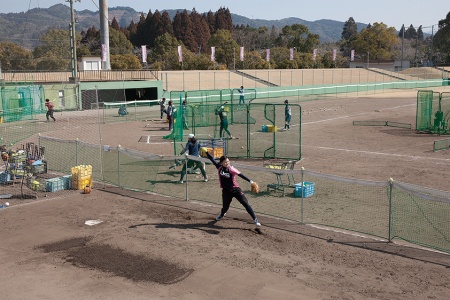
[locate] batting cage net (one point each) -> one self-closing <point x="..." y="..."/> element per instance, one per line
<point x="433" y="112"/>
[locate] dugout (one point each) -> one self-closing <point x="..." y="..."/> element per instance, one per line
<point x="122" y="91"/>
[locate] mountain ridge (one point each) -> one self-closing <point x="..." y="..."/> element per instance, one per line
<point x="25" y="28"/>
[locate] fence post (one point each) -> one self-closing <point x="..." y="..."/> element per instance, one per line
<point x="76" y="152"/>
<point x="118" y="165"/>
<point x="187" y="176"/>
<point x="391" y="183"/>
<point x="302" y="221"/>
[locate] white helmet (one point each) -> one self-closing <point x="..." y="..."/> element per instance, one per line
<point x="190" y="136"/>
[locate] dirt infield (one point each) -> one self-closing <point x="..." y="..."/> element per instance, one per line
<point x="154" y="247"/>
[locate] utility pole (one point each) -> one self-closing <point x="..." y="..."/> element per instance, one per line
<point x="431" y="58"/>
<point x="403" y="37"/>
<point x="73" y="41"/>
<point x="234" y="58"/>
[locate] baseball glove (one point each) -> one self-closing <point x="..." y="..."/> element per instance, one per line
<point x="255" y="188"/>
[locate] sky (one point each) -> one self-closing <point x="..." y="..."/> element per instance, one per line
<point x="392" y="13"/>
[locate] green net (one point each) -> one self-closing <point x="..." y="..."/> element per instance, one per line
<point x="420" y="216"/>
<point x="433" y="112"/>
<point x="382" y="123"/>
<point x="441" y="145"/>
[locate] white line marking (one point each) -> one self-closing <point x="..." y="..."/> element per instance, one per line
<point x="360" y="114"/>
<point x="381" y="153"/>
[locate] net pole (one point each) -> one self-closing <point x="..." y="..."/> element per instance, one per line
<point x="391" y="183"/>
<point x="302" y="221"/>
<point x="100" y="137"/>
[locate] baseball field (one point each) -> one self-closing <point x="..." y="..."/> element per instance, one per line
<point x="115" y="243"/>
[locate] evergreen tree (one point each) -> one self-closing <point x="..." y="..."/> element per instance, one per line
<point x="115" y="24"/>
<point x="132" y="29"/>
<point x="411" y="33"/>
<point x="91" y="40"/>
<point x="201" y="32"/>
<point x="155" y="28"/>
<point x="349" y="34"/>
<point x="211" y="19"/>
<point x="167" y="23"/>
<point x="441" y="41"/>
<point x="138" y="38"/>
<point x="401" y="33"/>
<point x="184" y="31"/>
<point x="350" y="29"/>
<point x="223" y="20"/>
<point x="420" y="33"/>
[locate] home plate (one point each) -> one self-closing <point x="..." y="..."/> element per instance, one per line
<point x="92" y="222"/>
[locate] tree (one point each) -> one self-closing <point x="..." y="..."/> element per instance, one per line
<point x="401" y="33"/>
<point x="90" y="40"/>
<point x="298" y="36"/>
<point x="226" y="47"/>
<point x="164" y="55"/>
<point x="115" y="24"/>
<point x="166" y="23"/>
<point x="139" y="38"/>
<point x="378" y="41"/>
<point x="256" y="60"/>
<point x="211" y="20"/>
<point x="411" y="33"/>
<point x="14" y="57"/>
<point x="420" y="33"/>
<point x="223" y="20"/>
<point x="201" y="32"/>
<point x="118" y="42"/>
<point x="125" y="62"/>
<point x="441" y="41"/>
<point x="349" y="34"/>
<point x="54" y="53"/>
<point x="183" y="30"/>
<point x="350" y="30"/>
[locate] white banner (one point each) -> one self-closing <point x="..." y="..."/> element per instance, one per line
<point x="267" y="54"/>
<point x="314" y="54"/>
<point x="104" y="54"/>
<point x="180" y="54"/>
<point x="334" y="54"/>
<point x="291" y="54"/>
<point x="352" y="55"/>
<point x="241" y="54"/>
<point x="213" y="53"/>
<point x="144" y="53"/>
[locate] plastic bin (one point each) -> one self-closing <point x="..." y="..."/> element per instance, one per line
<point x="307" y="188"/>
<point x="54" y="184"/>
<point x="67" y="182"/>
<point x="264" y="128"/>
<point x="4" y="177"/>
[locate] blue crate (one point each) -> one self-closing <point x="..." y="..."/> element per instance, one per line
<point x="4" y="177"/>
<point x="265" y="128"/>
<point x="67" y="182"/>
<point x="307" y="188"/>
<point x="54" y="184"/>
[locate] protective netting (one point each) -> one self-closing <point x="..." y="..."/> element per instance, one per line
<point x="382" y="123"/>
<point x="421" y="216"/>
<point x="441" y="145"/>
<point x="433" y="112"/>
<point x="387" y="211"/>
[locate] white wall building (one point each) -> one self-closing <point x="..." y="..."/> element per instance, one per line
<point x="90" y="63"/>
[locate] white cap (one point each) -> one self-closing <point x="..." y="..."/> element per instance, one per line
<point x="222" y="107"/>
<point x="190" y="136"/>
